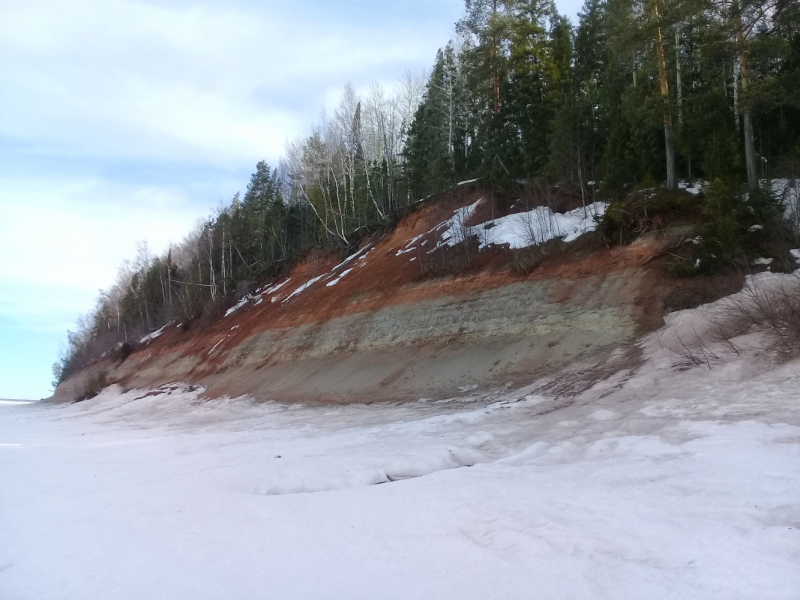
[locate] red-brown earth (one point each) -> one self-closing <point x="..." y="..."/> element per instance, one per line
<point x="399" y="327"/>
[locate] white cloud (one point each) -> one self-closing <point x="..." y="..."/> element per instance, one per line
<point x="93" y="93"/>
<point x="64" y="240"/>
<point x="210" y="83"/>
<point x="219" y="85"/>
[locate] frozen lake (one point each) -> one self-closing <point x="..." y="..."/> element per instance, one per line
<point x="658" y="483"/>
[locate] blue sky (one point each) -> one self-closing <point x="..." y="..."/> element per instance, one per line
<point x="124" y="120"/>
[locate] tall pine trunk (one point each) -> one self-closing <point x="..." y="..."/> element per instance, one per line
<point x="496" y="72"/>
<point x="749" y="138"/>
<point x="672" y="175"/>
<point x="678" y="78"/>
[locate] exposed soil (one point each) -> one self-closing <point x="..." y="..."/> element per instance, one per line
<point x="320" y="344"/>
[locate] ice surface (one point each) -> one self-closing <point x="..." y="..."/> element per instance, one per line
<point x="660" y="481"/>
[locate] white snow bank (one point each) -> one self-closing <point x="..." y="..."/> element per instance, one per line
<point x="763" y="261"/>
<point x="524" y="229"/>
<point x="708" y="334"/>
<point x="454" y="230"/>
<point x="360" y="254"/>
<point x="518" y="230"/>
<point x="655" y="483"/>
<point x="270" y="291"/>
<point x="539" y="226"/>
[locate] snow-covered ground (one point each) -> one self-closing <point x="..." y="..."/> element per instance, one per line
<point x="539" y="225"/>
<point x="661" y="480"/>
<point x="517" y="230"/>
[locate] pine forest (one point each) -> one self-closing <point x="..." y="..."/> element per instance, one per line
<point x="637" y="95"/>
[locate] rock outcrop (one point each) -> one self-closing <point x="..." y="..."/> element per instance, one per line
<point x="378" y="327"/>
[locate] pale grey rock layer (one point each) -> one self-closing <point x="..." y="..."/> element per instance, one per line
<point x="431" y="348"/>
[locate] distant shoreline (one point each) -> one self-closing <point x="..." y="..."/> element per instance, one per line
<point x="4" y="401"/>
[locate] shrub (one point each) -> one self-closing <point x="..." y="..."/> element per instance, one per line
<point x="735" y="230"/>
<point x="527" y="260"/>
<point x="773" y="307"/>
<point x="769" y="304"/>
<point x="94" y="386"/>
<point x="449" y="260"/>
<point x="124" y="350"/>
<point x="646" y="210"/>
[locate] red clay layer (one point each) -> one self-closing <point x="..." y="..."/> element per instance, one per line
<point x="386" y="279"/>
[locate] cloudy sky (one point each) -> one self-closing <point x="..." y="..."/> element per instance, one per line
<point x="123" y="120"/>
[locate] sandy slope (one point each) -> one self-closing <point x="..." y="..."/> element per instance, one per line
<point x="663" y="481"/>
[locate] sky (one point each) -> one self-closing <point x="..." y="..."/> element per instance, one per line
<point x="128" y="120"/>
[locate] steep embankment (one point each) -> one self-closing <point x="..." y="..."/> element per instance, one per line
<point x="387" y="324"/>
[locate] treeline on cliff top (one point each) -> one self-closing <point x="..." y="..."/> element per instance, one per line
<point x="639" y="91"/>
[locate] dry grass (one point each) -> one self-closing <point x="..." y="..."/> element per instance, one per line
<point x="527" y="260"/>
<point x="95" y="385"/>
<point x="770" y="306"/>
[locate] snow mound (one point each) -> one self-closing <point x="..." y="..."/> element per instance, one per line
<point x="518" y="230"/>
<point x="538" y="226"/>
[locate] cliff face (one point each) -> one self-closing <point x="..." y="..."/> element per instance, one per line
<point x="379" y="326"/>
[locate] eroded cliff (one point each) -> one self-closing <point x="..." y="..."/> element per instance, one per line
<point x="387" y="323"/>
